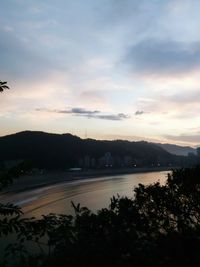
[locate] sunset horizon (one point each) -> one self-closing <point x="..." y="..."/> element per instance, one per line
<point x="118" y="70"/>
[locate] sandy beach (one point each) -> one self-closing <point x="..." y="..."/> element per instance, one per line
<point x="28" y="182"/>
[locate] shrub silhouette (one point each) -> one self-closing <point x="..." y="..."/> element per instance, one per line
<point x="3" y="86"/>
<point x="159" y="226"/>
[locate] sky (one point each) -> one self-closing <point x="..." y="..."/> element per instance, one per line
<point x="104" y="69"/>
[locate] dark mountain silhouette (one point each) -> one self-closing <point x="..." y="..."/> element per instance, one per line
<point x="178" y="150"/>
<point x="65" y="150"/>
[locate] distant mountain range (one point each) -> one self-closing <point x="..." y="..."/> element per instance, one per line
<point x="65" y="150"/>
<point x="178" y="150"/>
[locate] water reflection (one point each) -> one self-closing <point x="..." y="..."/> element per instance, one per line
<point x="93" y="193"/>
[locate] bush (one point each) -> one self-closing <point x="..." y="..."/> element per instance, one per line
<point x="159" y="226"/>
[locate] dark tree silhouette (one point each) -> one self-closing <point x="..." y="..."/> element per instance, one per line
<point x="159" y="226"/>
<point x="3" y="86"/>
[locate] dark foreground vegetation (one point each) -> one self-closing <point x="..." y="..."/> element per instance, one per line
<point x="159" y="226"/>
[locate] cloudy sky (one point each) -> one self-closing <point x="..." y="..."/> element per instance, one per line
<point x="105" y="69"/>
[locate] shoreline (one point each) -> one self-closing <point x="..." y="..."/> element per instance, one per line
<point x="34" y="181"/>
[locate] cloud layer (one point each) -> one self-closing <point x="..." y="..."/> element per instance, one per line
<point x="114" y="58"/>
<point x="90" y="114"/>
<point x="164" y="57"/>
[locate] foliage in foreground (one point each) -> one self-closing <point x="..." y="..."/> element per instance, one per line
<point x="159" y="226"/>
<point x="3" y="86"/>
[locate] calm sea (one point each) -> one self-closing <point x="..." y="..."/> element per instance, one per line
<point x="94" y="193"/>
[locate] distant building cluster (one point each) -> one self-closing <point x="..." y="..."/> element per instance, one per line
<point x="108" y="161"/>
<point x="8" y="164"/>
